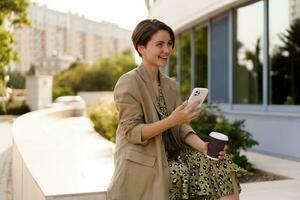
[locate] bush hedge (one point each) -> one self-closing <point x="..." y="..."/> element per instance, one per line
<point x="14" y="108"/>
<point x="62" y="91"/>
<point x="105" y="119"/>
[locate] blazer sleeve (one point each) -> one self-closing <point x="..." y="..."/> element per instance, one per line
<point x="184" y="129"/>
<point x="131" y="116"/>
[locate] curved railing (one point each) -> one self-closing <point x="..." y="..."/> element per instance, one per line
<point x="58" y="155"/>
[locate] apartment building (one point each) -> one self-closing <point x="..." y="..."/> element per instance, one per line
<point x="56" y="39"/>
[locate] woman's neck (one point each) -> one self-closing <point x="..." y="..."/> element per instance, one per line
<point x="152" y="72"/>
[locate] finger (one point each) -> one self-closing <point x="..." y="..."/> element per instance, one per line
<point x="205" y="148"/>
<point x="226" y="148"/>
<point x="196" y="102"/>
<point x="221" y="153"/>
<point x="221" y="157"/>
<point x="192" y="108"/>
<point x="194" y="116"/>
<point x="182" y="106"/>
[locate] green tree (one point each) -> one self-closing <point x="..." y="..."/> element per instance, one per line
<point x="255" y="86"/>
<point x="185" y="82"/>
<point x="12" y="13"/>
<point x="117" y="64"/>
<point x="31" y="71"/>
<point x="285" y="67"/>
<point x="101" y="76"/>
<point x="16" y="80"/>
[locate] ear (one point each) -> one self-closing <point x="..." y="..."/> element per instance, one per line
<point x="141" y="49"/>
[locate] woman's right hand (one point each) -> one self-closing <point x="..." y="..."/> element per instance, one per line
<point x="185" y="114"/>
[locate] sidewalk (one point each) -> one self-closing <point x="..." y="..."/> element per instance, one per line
<point x="5" y="157"/>
<point x="273" y="190"/>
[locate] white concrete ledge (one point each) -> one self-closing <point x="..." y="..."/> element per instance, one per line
<point x="60" y="157"/>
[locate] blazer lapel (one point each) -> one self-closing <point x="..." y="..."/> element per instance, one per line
<point x="143" y="73"/>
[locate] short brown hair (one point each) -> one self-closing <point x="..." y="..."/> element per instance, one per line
<point x="146" y="29"/>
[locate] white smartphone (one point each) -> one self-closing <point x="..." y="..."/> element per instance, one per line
<point x="198" y="94"/>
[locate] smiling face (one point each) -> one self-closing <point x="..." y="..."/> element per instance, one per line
<point x="157" y="51"/>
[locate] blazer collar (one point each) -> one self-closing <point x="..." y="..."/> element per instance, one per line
<point x="164" y="84"/>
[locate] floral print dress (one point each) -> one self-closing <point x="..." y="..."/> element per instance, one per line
<point x="192" y="174"/>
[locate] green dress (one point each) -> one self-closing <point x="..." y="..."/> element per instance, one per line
<point x="192" y="174"/>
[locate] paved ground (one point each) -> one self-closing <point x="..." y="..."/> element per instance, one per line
<point x="5" y="158"/>
<point x="273" y="190"/>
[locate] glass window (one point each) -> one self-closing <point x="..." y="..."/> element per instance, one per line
<point x="201" y="56"/>
<point x="173" y="62"/>
<point x="220" y="60"/>
<point x="284" y="52"/>
<point x="185" y="57"/>
<point x="247" y="70"/>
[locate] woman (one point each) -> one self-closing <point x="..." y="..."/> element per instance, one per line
<point x="158" y="155"/>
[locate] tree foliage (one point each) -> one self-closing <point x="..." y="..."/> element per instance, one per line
<point x="12" y="13"/>
<point x="285" y="67"/>
<point x="16" y="80"/>
<point x="101" y="76"/>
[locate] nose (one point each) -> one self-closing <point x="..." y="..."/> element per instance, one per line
<point x="167" y="49"/>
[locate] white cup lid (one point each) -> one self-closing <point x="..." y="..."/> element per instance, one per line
<point x="219" y="136"/>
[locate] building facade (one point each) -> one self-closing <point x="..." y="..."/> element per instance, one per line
<point x="56" y="39"/>
<point x="247" y="53"/>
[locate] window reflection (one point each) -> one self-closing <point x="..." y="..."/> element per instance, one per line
<point x="249" y="55"/>
<point x="201" y="57"/>
<point x="284" y="52"/>
<point x="185" y="51"/>
<point x="173" y="62"/>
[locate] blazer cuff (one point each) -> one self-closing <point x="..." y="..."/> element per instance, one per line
<point x="137" y="135"/>
<point x="185" y="129"/>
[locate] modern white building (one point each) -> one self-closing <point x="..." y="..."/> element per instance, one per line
<point x="56" y="37"/>
<point x="247" y="53"/>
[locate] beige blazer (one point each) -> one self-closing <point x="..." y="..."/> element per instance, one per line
<point x="141" y="168"/>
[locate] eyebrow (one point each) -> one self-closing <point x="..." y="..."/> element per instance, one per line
<point x="163" y="41"/>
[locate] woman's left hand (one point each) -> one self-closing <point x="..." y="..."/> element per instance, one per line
<point x="221" y="153"/>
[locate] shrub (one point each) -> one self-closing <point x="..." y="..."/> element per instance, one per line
<point x="212" y="119"/>
<point x="15" y="108"/>
<point x="104" y="117"/>
<point x="1" y="109"/>
<point x="61" y="91"/>
<point x="17" y="80"/>
<point x="18" y="109"/>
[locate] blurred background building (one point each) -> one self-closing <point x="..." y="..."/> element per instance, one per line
<point x="247" y="52"/>
<point x="56" y="39"/>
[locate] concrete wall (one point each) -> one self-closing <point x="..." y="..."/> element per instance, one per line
<point x="184" y="14"/>
<point x="277" y="133"/>
<point x="38" y="91"/>
<point x="58" y="156"/>
<point x="92" y="98"/>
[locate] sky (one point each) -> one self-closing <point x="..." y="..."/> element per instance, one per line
<point x="125" y="13"/>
